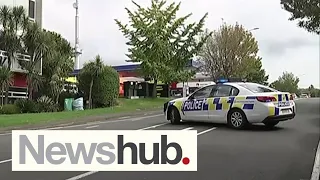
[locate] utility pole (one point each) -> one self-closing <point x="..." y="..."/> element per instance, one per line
<point x="78" y="51"/>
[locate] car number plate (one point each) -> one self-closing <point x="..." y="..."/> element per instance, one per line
<point x="284" y="104"/>
<point x="285" y="111"/>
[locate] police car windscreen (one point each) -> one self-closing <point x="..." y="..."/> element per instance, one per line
<point x="257" y="88"/>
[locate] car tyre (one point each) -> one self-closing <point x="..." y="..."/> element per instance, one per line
<point x="174" y="116"/>
<point x="237" y="119"/>
<point x="271" y="124"/>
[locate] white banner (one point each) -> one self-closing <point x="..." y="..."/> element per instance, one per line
<point x="99" y="150"/>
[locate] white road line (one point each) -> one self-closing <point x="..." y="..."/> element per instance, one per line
<point x="93" y="172"/>
<point x="5" y="161"/>
<point x="96" y="123"/>
<point x="208" y="130"/>
<point x="82" y="175"/>
<point x="316" y="166"/>
<point x="126" y="117"/>
<point x="91" y="127"/>
<point x="5" y="134"/>
<point x="151" y="127"/>
<point x="187" y="128"/>
<point x="90" y="173"/>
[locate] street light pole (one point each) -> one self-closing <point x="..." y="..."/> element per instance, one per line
<point x="77" y="45"/>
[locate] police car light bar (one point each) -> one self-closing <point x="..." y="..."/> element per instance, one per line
<point x="224" y="80"/>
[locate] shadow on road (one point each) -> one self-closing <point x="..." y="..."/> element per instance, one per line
<point x="252" y="127"/>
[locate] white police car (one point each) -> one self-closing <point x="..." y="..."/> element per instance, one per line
<point x="236" y="103"/>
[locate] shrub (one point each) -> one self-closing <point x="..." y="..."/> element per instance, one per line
<point x="46" y="104"/>
<point x="26" y="106"/>
<point x="105" y="89"/>
<point x="9" y="109"/>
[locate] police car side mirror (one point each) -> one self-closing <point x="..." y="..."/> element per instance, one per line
<point x="191" y="98"/>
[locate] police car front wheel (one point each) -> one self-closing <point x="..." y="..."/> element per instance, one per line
<point x="237" y="119"/>
<point x="174" y="116"/>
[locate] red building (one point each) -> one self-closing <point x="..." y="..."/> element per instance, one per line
<point x="130" y="73"/>
<point x="18" y="89"/>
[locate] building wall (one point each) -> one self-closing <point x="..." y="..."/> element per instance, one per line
<point x="34" y="12"/>
<point x="37" y="9"/>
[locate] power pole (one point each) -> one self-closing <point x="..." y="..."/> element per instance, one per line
<point x="78" y="51"/>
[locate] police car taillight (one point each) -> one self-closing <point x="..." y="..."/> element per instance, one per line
<point x="291" y="97"/>
<point x="266" y="98"/>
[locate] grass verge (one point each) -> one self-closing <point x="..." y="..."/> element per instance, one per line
<point x="125" y="106"/>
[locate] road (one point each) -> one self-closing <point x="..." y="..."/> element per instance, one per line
<point x="284" y="153"/>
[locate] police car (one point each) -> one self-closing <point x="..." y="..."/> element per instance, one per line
<point x="234" y="102"/>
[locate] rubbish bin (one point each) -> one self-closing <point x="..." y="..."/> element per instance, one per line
<point x="78" y="104"/>
<point x="68" y="104"/>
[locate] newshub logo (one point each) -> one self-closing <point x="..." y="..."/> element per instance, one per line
<point x="97" y="150"/>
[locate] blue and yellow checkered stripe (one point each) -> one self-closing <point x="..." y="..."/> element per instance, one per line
<point x="275" y="111"/>
<point x="282" y="97"/>
<point x="226" y="103"/>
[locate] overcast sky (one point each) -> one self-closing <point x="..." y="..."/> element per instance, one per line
<point x="283" y="46"/>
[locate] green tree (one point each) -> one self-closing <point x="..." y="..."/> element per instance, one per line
<point x="105" y="88"/>
<point x="6" y="80"/>
<point x="231" y="51"/>
<point x="288" y="82"/>
<point x="35" y="44"/>
<point x="12" y="21"/>
<point x="161" y="41"/>
<point x="313" y="91"/>
<point x="93" y="69"/>
<point x="307" y="12"/>
<point x="57" y="65"/>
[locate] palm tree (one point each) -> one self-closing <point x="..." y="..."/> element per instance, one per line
<point x="34" y="79"/>
<point x="35" y="42"/>
<point x="12" y="21"/>
<point x="93" y="69"/>
<point x="57" y="65"/>
<point x="6" y="80"/>
<point x="56" y="86"/>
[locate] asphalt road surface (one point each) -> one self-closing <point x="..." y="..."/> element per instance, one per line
<point x="284" y="153"/>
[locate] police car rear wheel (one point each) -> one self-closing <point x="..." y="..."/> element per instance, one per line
<point x="174" y="116"/>
<point x="237" y="119"/>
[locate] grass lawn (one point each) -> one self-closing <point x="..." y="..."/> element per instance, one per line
<point x="125" y="106"/>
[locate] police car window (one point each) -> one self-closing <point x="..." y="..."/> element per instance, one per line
<point x="258" y="88"/>
<point x="222" y="91"/>
<point x="203" y="93"/>
<point x="234" y="91"/>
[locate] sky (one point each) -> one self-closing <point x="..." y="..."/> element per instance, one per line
<point x="283" y="46"/>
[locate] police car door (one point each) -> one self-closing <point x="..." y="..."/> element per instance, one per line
<point x="196" y="106"/>
<point x="220" y="102"/>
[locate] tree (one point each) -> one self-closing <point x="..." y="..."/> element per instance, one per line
<point x="105" y="89"/>
<point x="35" y="44"/>
<point x="313" y="91"/>
<point x="6" y="78"/>
<point x="232" y="51"/>
<point x="161" y="42"/>
<point x="306" y="11"/>
<point x="286" y="83"/>
<point x="255" y="72"/>
<point x="93" y="69"/>
<point x="12" y="20"/>
<point x="57" y="65"/>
